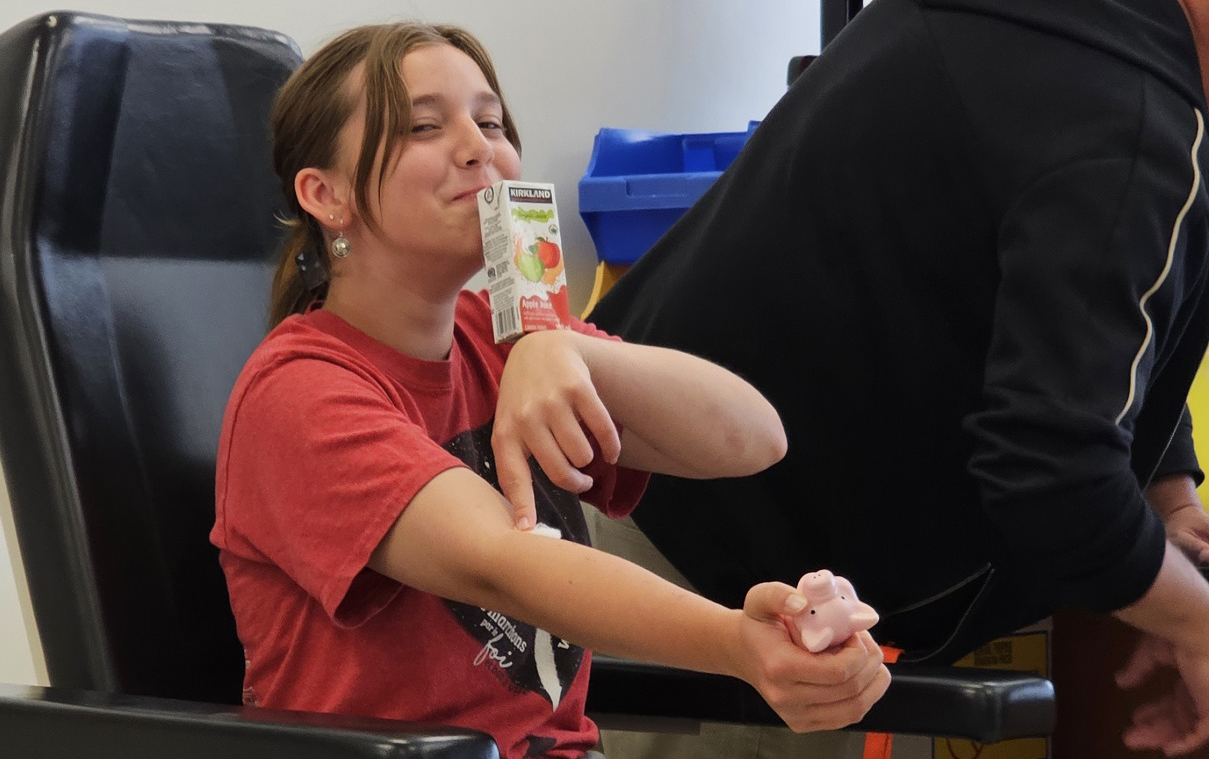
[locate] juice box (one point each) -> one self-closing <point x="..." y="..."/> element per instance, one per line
<point x="523" y="253"/>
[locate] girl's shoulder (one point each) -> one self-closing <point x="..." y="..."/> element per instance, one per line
<point x="300" y="353"/>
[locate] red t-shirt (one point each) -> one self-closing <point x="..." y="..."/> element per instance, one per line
<point x="327" y="436"/>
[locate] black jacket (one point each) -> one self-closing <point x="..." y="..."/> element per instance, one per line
<point x="965" y="258"/>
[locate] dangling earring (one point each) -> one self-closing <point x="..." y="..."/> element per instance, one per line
<point x="340" y="246"/>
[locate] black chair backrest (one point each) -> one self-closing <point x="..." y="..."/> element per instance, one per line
<point x="137" y="233"/>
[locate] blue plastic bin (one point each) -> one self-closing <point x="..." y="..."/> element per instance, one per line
<point x="639" y="183"/>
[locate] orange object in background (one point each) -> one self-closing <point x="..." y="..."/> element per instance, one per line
<point x="880" y="745"/>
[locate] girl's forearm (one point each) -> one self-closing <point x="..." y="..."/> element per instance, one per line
<point x="686" y="413"/>
<point x="610" y="605"/>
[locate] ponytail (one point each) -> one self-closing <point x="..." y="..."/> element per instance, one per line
<point x="291" y="293"/>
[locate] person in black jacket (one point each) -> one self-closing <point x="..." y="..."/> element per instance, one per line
<point x="966" y="258"/>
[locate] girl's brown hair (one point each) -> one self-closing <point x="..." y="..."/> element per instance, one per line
<point x="313" y="106"/>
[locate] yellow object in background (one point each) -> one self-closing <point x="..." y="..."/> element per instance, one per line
<point x="606" y="276"/>
<point x="1198" y="404"/>
<point x="1025" y="651"/>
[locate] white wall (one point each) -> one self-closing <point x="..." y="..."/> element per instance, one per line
<point x="20" y="652"/>
<point x="568" y="68"/>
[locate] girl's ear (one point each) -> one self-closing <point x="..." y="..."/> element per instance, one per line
<point x="323" y="196"/>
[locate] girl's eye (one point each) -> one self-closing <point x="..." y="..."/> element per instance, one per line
<point x="490" y="125"/>
<point x="421" y="128"/>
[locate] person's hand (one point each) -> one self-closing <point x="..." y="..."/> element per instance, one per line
<point x="1188" y="528"/>
<point x="1175" y="500"/>
<point x="547" y="408"/>
<point x="1177" y="723"/>
<point x="823" y="691"/>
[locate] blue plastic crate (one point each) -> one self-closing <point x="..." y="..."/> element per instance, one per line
<point x="639" y="183"/>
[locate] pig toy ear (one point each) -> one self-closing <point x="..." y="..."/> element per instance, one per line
<point x="818" y="640"/>
<point x="864" y="617"/>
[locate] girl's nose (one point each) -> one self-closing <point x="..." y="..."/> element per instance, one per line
<point x="473" y="148"/>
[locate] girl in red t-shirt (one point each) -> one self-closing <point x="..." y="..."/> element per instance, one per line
<point x="376" y="501"/>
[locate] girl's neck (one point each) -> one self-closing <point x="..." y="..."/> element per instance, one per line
<point x="415" y="320"/>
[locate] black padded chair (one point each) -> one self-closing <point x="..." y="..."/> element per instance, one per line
<point x="137" y="233"/>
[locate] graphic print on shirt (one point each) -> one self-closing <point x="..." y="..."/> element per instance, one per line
<point x="523" y="657"/>
<point x="539" y="746"/>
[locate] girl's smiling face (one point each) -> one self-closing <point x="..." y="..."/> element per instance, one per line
<point x="456" y="145"/>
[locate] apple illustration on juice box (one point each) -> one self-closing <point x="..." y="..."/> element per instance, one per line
<point x="540" y="262"/>
<point x="523" y="253"/>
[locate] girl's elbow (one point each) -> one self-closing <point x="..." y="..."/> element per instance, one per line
<point x="774" y="444"/>
<point x="758" y="448"/>
<point x="771" y="447"/>
<point x="778" y="445"/>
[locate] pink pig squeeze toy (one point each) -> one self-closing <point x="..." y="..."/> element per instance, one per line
<point x="835" y="613"/>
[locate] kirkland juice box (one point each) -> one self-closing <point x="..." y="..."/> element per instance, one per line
<point x="524" y="257"/>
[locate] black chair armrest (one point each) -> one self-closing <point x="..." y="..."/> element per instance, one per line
<point x="56" y="723"/>
<point x="979" y="704"/>
<point x="983" y="705"/>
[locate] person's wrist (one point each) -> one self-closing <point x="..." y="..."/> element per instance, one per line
<point x="1175" y="511"/>
<point x="1171" y="494"/>
<point x="734" y="660"/>
<point x="1189" y="615"/>
<point x="577" y="341"/>
<point x="540" y="341"/>
<point x="1186" y="656"/>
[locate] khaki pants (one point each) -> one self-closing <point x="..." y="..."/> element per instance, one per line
<point x="714" y="740"/>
